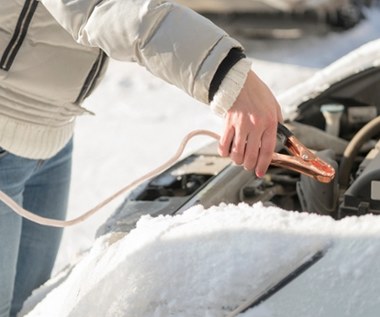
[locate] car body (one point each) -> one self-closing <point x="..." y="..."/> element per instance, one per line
<point x="334" y="281"/>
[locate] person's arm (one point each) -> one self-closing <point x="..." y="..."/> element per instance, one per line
<point x="187" y="50"/>
<point x="171" y="41"/>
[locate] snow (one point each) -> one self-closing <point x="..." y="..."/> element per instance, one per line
<point x="172" y="254"/>
<point x="203" y="262"/>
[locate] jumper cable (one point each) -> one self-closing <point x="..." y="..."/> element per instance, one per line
<point x="302" y="160"/>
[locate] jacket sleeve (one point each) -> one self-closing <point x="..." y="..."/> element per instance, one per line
<point x="171" y="41"/>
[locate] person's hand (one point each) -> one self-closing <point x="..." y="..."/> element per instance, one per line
<point x="249" y="137"/>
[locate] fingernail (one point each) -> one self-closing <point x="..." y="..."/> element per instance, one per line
<point x="260" y="174"/>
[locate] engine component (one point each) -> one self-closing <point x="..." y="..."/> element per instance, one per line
<point x="319" y="197"/>
<point x="363" y="196"/>
<point x="332" y="114"/>
<point x="370" y="130"/>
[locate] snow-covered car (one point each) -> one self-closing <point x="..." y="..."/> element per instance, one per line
<point x="336" y="114"/>
<point x="339" y="13"/>
<point x="207" y="238"/>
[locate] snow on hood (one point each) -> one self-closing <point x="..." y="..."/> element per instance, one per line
<point x="365" y="57"/>
<point x="204" y="262"/>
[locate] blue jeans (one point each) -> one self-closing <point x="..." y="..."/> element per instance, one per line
<point x="28" y="250"/>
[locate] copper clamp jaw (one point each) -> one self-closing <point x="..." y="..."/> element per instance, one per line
<point x="301" y="160"/>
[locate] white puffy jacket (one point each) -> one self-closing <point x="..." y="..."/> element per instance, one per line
<point x="53" y="53"/>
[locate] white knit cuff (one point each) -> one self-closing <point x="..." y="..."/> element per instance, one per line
<point x="230" y="87"/>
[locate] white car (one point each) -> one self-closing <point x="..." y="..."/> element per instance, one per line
<point x="336" y="114"/>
